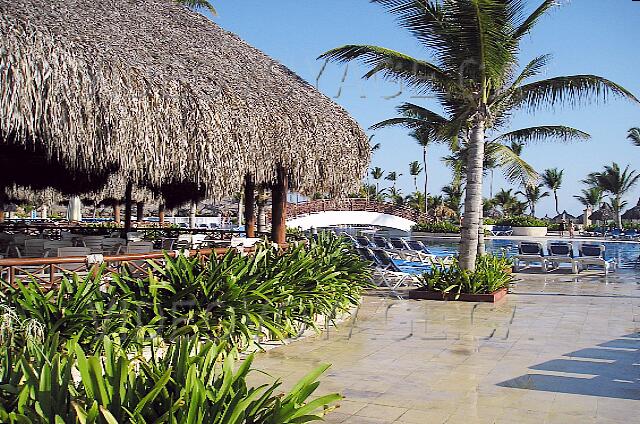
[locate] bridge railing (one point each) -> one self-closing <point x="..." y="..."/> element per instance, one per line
<point x="364" y="205"/>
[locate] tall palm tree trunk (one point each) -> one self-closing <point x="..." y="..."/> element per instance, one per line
<point x="426" y="179"/>
<point x="618" y="212"/>
<point x="473" y="198"/>
<point x="555" y="195"/>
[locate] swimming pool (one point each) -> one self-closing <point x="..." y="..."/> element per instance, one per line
<point x="626" y="254"/>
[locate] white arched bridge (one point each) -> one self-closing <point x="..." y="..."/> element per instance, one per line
<point x="327" y="213"/>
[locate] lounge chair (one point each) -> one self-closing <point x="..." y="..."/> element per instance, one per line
<point x="530" y="253"/>
<point x="631" y="234"/>
<point x="562" y="252"/>
<point x="51" y="246"/>
<point x="385" y="270"/>
<point x="593" y="254"/>
<point x="616" y="233"/>
<point x="381" y="242"/>
<point x="404" y="252"/>
<point x="501" y="230"/>
<point x="113" y="246"/>
<point x="363" y="241"/>
<point x="94" y="243"/>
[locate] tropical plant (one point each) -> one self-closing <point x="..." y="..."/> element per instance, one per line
<point x="199" y="5"/>
<point x="616" y="183"/>
<point x="453" y="193"/>
<point x="234" y="298"/>
<point x="508" y="203"/>
<point x="377" y="173"/>
<point x="414" y="170"/>
<point x="437" y="227"/>
<point x="475" y="46"/>
<point x="492" y="273"/>
<point x="533" y="193"/>
<point x="591" y="197"/>
<point x="552" y="179"/>
<point x="522" y="221"/>
<point x="415" y="201"/>
<point x="634" y="136"/>
<point x="393" y="177"/>
<point x="192" y="382"/>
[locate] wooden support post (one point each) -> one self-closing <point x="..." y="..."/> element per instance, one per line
<point x="116" y="212"/>
<point x="192" y="214"/>
<point x="127" y="209"/>
<point x="249" y="206"/>
<point x="140" y="212"/>
<point x="279" y="207"/>
<point x="161" y="214"/>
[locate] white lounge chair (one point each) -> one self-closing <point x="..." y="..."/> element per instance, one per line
<point x="562" y="252"/>
<point x="94" y="243"/>
<point x="593" y="254"/>
<point x="530" y="253"/>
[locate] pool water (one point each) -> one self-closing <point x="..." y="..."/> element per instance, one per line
<point x="626" y="254"/>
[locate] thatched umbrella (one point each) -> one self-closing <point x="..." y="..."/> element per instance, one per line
<point x="564" y="216"/>
<point x="165" y="96"/>
<point x="633" y="213"/>
<point x="605" y="213"/>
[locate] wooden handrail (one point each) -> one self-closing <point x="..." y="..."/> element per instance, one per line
<point x="316" y="206"/>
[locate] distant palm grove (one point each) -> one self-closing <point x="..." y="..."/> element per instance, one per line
<point x="471" y="65"/>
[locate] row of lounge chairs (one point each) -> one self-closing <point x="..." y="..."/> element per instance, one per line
<point x="558" y="253"/>
<point x="399" y="248"/>
<point x="615" y="233"/>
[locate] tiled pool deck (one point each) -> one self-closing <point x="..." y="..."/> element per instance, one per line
<point x="560" y="349"/>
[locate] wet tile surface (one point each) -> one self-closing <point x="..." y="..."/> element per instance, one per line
<point x="559" y="349"/>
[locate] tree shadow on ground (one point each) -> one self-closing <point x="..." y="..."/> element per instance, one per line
<point x="612" y="369"/>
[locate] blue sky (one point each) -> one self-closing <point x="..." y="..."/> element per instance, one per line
<point x="584" y="36"/>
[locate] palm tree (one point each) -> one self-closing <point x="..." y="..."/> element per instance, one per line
<point x="634" y="136"/>
<point x="616" y="183"/>
<point x="422" y="137"/>
<point x="414" y="170"/>
<point x="552" y="179"/>
<point x="453" y="193"/>
<point x="591" y="197"/>
<point x="198" y="5"/>
<point x="509" y="204"/>
<point x="377" y="173"/>
<point x="393" y="177"/>
<point x="533" y="193"/>
<point x="416" y="201"/>
<point x="474" y="75"/>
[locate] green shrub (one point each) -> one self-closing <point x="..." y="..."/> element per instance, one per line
<point x="522" y="221"/>
<point x="437" y="227"/>
<point x="492" y="273"/>
<point x="238" y="299"/>
<point x="191" y="382"/>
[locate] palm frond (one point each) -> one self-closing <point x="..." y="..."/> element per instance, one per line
<point x="393" y="65"/>
<point x="634" y="136"/>
<point x="514" y="167"/>
<point x="199" y="5"/>
<point x="542" y="133"/>
<point x="572" y="89"/>
<point x="532" y="19"/>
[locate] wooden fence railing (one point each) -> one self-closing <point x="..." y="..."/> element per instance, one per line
<point x="49" y="271"/>
<point x="316" y="206"/>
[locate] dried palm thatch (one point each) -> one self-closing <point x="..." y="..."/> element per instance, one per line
<point x="166" y="96"/>
<point x="18" y="194"/>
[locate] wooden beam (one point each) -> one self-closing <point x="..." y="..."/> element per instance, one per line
<point x="116" y="213"/>
<point x="249" y="206"/>
<point x="140" y="212"/>
<point x="279" y="207"/>
<point x="161" y="214"/>
<point x="127" y="208"/>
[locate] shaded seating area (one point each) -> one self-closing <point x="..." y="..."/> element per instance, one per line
<point x="258" y="128"/>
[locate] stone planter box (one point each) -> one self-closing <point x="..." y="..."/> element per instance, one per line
<point x="464" y="297"/>
<point x="529" y="231"/>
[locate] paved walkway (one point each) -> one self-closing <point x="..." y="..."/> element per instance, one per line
<point x="560" y="349"/>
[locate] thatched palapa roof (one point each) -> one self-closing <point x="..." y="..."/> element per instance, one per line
<point x="164" y="96"/>
<point x="633" y="213"/>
